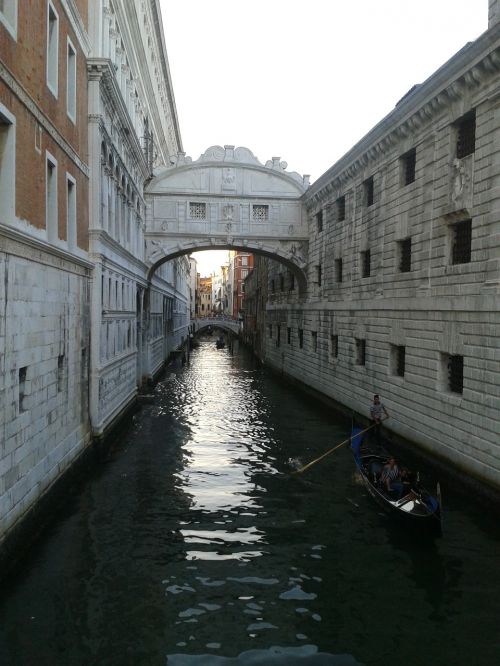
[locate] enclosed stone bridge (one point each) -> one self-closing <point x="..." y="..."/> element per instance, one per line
<point x="227" y="199"/>
<point x="224" y="323"/>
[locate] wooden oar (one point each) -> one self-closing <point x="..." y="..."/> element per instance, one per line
<point x="327" y="453"/>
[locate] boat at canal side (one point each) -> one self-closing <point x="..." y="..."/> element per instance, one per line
<point x="417" y="508"/>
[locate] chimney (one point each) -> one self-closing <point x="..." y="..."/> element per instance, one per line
<point x="493" y="12"/>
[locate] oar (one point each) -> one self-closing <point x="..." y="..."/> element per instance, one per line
<point x="327" y="453"/>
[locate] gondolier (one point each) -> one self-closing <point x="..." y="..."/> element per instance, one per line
<point x="377" y="409"/>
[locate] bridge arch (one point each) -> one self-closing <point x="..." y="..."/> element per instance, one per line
<point x="227" y="199"/>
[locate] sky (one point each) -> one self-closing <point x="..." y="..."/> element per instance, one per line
<point x="303" y="80"/>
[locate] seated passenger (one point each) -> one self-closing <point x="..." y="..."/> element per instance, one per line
<point x="390" y="478"/>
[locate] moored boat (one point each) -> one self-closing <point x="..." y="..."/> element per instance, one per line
<point x="410" y="503"/>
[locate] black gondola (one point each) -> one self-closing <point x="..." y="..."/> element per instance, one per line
<point x="415" y="506"/>
<point x="220" y="344"/>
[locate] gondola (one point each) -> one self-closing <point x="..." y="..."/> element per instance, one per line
<point x="220" y="344"/>
<point x="417" y="508"/>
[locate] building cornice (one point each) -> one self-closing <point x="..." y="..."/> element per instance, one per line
<point x="101" y="69"/>
<point x="462" y="74"/>
<point x="27" y="101"/>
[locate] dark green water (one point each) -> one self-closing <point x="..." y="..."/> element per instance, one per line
<point x="193" y="543"/>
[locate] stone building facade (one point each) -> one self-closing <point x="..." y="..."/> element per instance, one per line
<point x="86" y="115"/>
<point x="404" y="268"/>
<point x="46" y="273"/>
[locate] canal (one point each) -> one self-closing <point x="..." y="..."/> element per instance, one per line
<point x="193" y="544"/>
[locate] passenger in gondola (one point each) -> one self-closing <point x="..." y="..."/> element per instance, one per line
<point x="390" y="478"/>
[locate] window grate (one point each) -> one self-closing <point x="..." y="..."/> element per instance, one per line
<point x="462" y="240"/>
<point x="466" y="135"/>
<point x="319" y="221"/>
<point x="360" y="352"/>
<point x="301" y="337"/>
<point x="409" y="164"/>
<point x="289" y="335"/>
<point x="456" y="373"/>
<point x="334" y="346"/>
<point x="405" y="255"/>
<point x="366" y="263"/>
<point x="338" y="270"/>
<point x="260" y="213"/>
<point x="341" y="209"/>
<point x="314" y="341"/>
<point x="368" y="185"/>
<point x="198" y="211"/>
<point x="400" y="360"/>
<point x="318" y="275"/>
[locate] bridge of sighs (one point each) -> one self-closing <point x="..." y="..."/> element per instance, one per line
<point x="227" y="199"/>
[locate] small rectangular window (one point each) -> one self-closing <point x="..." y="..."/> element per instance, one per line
<point x="260" y="212"/>
<point x="360" y="351"/>
<point x="71" y="82"/>
<point x="51" y="214"/>
<point x="368" y="186"/>
<point x="318" y="275"/>
<point x="278" y="335"/>
<point x="341" y="209"/>
<point x="398" y="356"/>
<point x="60" y="373"/>
<point x="456" y="373"/>
<point x="270" y="329"/>
<point x="314" y="335"/>
<point x="52" y="49"/>
<point x="408" y="165"/>
<point x="292" y="281"/>
<point x="365" y="263"/>
<point x="197" y="211"/>
<point x="319" y="221"/>
<point x="7" y="165"/>
<point x="405" y="255"/>
<point x="338" y="270"/>
<point x="71" y="212"/>
<point x="466" y="134"/>
<point x="461" y="242"/>
<point x="301" y="338"/>
<point x="334" y="346"/>
<point x="22" y="388"/>
<point x="282" y="282"/>
<point x="288" y="335"/>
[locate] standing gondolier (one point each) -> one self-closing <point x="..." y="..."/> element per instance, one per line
<point x="377" y="408"/>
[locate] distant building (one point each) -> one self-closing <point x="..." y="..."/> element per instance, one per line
<point x="205" y="297"/>
<point x="241" y="265"/>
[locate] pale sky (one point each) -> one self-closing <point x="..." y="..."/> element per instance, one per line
<point x="303" y="80"/>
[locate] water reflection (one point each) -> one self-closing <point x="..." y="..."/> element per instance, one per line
<point x="196" y="542"/>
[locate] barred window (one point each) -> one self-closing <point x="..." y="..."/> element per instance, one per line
<point x="405" y="255"/>
<point x="288" y="335"/>
<point x="461" y="242"/>
<point x="318" y="275"/>
<point x="338" y="270"/>
<point x="341" y="209"/>
<point x="314" y="335"/>
<point x="360" y="351"/>
<point x="408" y="164"/>
<point x="466" y="134"/>
<point x="398" y="353"/>
<point x="292" y="281"/>
<point x="334" y="346"/>
<point x="270" y="329"/>
<point x="260" y="212"/>
<point x="456" y="373"/>
<point x="198" y="211"/>
<point x="319" y="221"/>
<point x="282" y="282"/>
<point x="365" y="263"/>
<point x="301" y="337"/>
<point x="278" y="335"/>
<point x="368" y="189"/>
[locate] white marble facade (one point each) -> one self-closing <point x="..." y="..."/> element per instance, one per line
<point x="132" y="131"/>
<point x="404" y="269"/>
